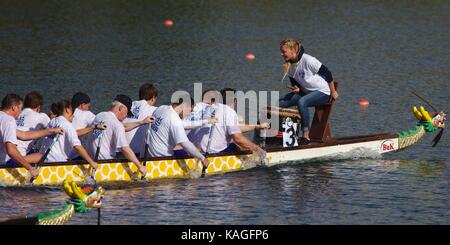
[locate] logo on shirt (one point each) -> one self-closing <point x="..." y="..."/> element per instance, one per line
<point x="301" y="74"/>
<point x="20" y="121"/>
<point x="97" y="132"/>
<point x="154" y="126"/>
<point x="135" y="113"/>
<point x="203" y="113"/>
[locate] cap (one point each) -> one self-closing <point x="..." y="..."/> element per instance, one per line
<point x="126" y="101"/>
<point x="80" y="98"/>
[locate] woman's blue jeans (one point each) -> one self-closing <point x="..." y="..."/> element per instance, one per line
<point x="303" y="101"/>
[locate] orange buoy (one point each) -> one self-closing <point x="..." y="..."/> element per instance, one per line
<point x="168" y="23"/>
<point x="250" y="56"/>
<point x="363" y="102"/>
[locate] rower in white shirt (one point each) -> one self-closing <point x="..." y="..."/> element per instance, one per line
<point x="10" y="110"/>
<point x="227" y="131"/>
<point x="68" y="141"/>
<point x="113" y="139"/>
<point x="31" y="119"/>
<point x="83" y="118"/>
<point x="168" y="130"/>
<point x="142" y="108"/>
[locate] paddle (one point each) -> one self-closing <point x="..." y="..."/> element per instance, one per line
<point x="55" y="139"/>
<point x="439" y="135"/>
<point x="144" y="160"/>
<point x="97" y="151"/>
<point x="208" y="145"/>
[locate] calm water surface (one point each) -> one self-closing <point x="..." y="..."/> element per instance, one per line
<point x="377" y="50"/>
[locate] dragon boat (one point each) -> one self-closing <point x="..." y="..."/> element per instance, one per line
<point x="278" y="150"/>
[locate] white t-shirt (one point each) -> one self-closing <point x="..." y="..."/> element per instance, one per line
<point x="198" y="117"/>
<point x="166" y="132"/>
<point x="113" y="136"/>
<point x="30" y="120"/>
<point x="305" y="73"/>
<point x="82" y="119"/>
<point x="136" y="137"/>
<point x="221" y="136"/>
<point x="61" y="150"/>
<point x="7" y="134"/>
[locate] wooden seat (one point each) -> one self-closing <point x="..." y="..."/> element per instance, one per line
<point x="320" y="127"/>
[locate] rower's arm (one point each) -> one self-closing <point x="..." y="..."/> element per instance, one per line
<point x="83" y="153"/>
<point x="129" y="154"/>
<point x="84" y="131"/>
<point x="247" y="127"/>
<point x="192" y="150"/>
<point x="36" y="134"/>
<point x="132" y="125"/>
<point x="13" y="153"/>
<point x="194" y="124"/>
<point x="243" y="141"/>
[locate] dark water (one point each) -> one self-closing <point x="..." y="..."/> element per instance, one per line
<point x="377" y="50"/>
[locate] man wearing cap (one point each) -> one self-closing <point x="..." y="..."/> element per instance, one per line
<point x="113" y="139"/>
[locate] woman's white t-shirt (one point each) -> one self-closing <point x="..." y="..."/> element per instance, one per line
<point x="305" y="72"/>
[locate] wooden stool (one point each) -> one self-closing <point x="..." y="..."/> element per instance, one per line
<point x="320" y="127"/>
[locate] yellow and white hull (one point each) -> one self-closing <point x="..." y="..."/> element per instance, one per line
<point x="158" y="168"/>
<point x="55" y="174"/>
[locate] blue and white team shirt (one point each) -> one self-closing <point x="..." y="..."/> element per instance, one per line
<point x="30" y="120"/>
<point x="305" y="72"/>
<point x="226" y="126"/>
<point x="136" y="137"/>
<point x="65" y="143"/>
<point x="165" y="132"/>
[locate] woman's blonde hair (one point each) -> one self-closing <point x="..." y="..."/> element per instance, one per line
<point x="291" y="43"/>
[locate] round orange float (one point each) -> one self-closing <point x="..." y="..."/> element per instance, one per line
<point x="363" y="102"/>
<point x="168" y="22"/>
<point x="250" y="56"/>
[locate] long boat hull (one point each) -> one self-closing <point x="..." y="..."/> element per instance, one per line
<point x="182" y="167"/>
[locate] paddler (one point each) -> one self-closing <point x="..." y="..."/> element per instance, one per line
<point x="226" y="136"/>
<point x="168" y="130"/>
<point x="82" y="116"/>
<point x="142" y="108"/>
<point x="312" y="82"/>
<point x="31" y="118"/>
<point x="10" y="110"/>
<point x="113" y="138"/>
<point x="68" y="141"/>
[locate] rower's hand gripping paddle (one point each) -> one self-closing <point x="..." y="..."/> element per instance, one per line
<point x="55" y="139"/>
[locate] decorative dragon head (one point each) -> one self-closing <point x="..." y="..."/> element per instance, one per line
<point x="431" y="124"/>
<point x="439" y="119"/>
<point x="84" y="198"/>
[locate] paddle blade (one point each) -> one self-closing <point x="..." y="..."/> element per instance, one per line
<point x="437" y="138"/>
